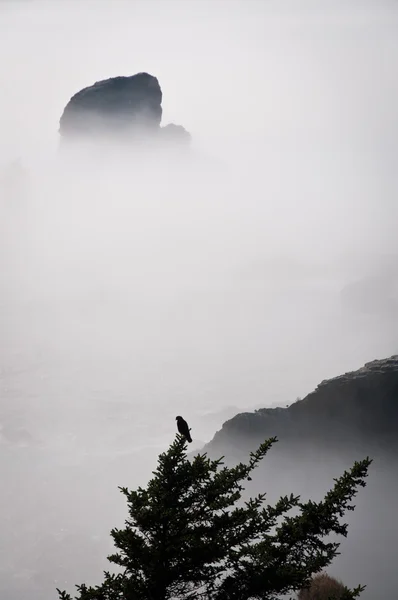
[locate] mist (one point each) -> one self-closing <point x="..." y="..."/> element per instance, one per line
<point x="137" y="285"/>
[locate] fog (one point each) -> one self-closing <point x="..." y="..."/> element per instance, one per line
<point x="137" y="285"/>
<point x="366" y="554"/>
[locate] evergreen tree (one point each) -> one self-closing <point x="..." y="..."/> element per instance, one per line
<point x="189" y="538"/>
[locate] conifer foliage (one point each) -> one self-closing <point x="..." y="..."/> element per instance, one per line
<point x="190" y="536"/>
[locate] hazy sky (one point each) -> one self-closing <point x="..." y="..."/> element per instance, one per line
<point x="264" y="72"/>
<point x="298" y="101"/>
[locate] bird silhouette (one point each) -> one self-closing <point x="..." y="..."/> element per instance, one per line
<point x="183" y="428"/>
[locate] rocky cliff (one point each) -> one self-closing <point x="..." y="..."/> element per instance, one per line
<point x="121" y="107"/>
<point x="358" y="409"/>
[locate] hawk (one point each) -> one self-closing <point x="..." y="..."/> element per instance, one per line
<point x="183" y="428"/>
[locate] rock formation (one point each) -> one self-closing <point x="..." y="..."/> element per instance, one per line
<point x="345" y="419"/>
<point x="358" y="409"/>
<point x="122" y="108"/>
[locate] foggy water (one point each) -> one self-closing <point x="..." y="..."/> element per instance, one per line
<point x="137" y="287"/>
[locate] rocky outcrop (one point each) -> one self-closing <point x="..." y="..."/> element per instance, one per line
<point x="120" y="107"/>
<point x="175" y="134"/>
<point x="344" y="419"/>
<point x="357" y="409"/>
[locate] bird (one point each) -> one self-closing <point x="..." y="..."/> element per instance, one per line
<point x="183" y="428"/>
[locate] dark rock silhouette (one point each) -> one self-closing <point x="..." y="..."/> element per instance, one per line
<point x="121" y="107"/>
<point x="357" y="409"/>
<point x="345" y="419"/>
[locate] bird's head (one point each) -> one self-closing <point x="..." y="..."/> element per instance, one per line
<point x="178" y="418"/>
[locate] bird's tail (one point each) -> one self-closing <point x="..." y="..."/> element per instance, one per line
<point x="189" y="439"/>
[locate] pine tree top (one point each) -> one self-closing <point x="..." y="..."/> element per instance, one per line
<point x="190" y="536"/>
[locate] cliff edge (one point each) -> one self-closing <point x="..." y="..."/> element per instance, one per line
<point x="358" y="409"/>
